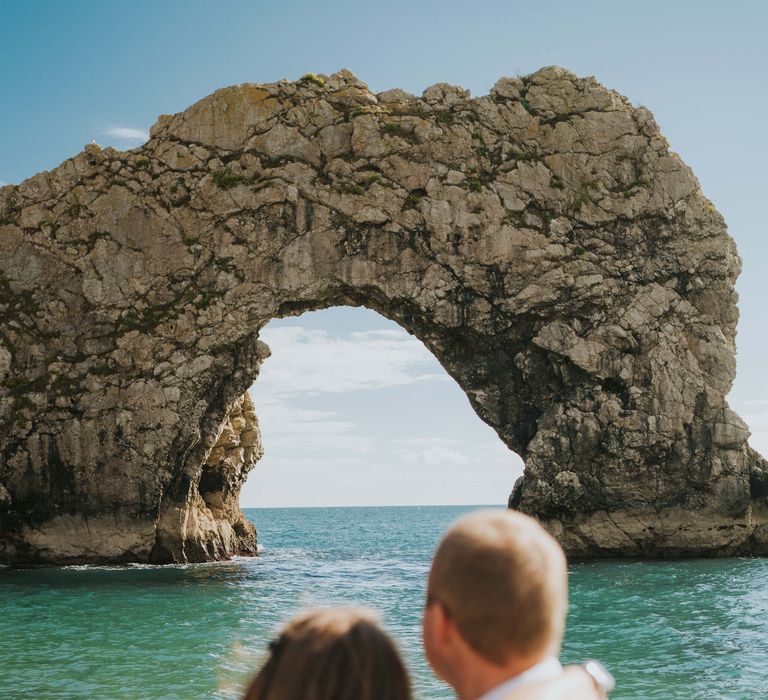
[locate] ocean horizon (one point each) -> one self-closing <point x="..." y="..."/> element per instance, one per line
<point x="683" y="629"/>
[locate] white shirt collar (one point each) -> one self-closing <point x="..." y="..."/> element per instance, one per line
<point x="542" y="671"/>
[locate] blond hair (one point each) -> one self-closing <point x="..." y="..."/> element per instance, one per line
<point x="332" y="654"/>
<point x="503" y="580"/>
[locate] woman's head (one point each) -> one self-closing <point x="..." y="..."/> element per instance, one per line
<point x="332" y="654"/>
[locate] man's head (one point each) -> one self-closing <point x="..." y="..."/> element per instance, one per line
<point x="496" y="597"/>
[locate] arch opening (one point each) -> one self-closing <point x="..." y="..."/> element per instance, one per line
<point x="207" y="496"/>
<point x="351" y="409"/>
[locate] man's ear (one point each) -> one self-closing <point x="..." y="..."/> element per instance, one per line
<point x="443" y="627"/>
<point x="438" y="635"/>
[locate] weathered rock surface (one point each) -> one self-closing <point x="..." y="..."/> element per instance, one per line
<point x="211" y="520"/>
<point x="544" y="243"/>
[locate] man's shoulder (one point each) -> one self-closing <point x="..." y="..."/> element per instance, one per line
<point x="544" y="670"/>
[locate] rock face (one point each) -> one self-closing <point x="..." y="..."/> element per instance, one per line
<point x="542" y="241"/>
<point x="210" y="518"/>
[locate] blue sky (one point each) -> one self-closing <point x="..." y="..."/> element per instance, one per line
<point x="74" y="72"/>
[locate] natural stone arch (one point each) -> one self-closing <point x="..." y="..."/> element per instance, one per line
<point x="542" y="241"/>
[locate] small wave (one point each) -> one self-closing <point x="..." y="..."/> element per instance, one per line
<point x="160" y="567"/>
<point x="122" y="567"/>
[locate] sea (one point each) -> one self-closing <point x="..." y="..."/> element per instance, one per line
<point x="669" y="629"/>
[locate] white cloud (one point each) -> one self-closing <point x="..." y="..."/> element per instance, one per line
<point x="3" y="183"/>
<point x="433" y="451"/>
<point x="292" y="429"/>
<point x="126" y="133"/>
<point x="314" y="362"/>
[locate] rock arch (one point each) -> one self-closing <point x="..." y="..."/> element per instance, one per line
<point x="544" y="243"/>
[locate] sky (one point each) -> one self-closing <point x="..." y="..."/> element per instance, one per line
<point x="353" y="410"/>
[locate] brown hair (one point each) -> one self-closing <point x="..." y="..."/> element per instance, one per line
<point x="332" y="654"/>
<point x="503" y="580"/>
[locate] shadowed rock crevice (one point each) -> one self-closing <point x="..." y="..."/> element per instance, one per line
<point x="543" y="242"/>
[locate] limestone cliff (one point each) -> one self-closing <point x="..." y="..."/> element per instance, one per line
<point x="213" y="524"/>
<point x="543" y="241"/>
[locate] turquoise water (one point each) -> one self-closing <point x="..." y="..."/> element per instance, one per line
<point x="691" y="629"/>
